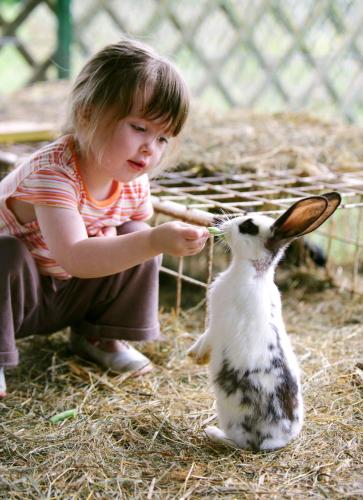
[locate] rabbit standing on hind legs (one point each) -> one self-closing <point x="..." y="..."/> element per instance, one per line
<point x="252" y="366"/>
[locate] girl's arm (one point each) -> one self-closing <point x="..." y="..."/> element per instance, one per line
<point x="65" y="234"/>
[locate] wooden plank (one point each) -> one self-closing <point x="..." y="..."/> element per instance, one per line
<point x="181" y="212"/>
<point x="12" y="132"/>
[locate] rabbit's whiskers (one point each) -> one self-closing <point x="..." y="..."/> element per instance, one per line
<point x="220" y="241"/>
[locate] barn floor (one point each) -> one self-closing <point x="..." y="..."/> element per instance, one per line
<point x="143" y="438"/>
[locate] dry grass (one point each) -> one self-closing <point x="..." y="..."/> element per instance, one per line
<point x="245" y="141"/>
<point x="143" y="438"/>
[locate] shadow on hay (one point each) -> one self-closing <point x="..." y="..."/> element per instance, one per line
<point x="39" y="355"/>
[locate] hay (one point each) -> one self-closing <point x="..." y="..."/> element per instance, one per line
<point x="239" y="140"/>
<point x="143" y="438"/>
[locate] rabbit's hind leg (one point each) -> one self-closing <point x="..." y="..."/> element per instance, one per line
<point x="275" y="437"/>
<point x="218" y="436"/>
<point x="271" y="444"/>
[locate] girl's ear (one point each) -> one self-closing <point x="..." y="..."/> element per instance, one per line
<point x="302" y="218"/>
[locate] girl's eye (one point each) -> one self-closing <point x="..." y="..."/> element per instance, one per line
<point x="164" y="140"/>
<point x="138" y="128"/>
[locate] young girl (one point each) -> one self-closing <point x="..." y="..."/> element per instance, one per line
<point x="74" y="248"/>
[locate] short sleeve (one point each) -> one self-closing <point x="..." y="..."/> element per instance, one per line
<point x="50" y="187"/>
<point x="144" y="208"/>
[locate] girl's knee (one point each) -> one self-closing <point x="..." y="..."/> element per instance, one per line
<point x="138" y="225"/>
<point x="132" y="226"/>
<point x="153" y="264"/>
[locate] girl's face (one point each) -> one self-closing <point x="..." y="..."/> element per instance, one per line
<point x="135" y="147"/>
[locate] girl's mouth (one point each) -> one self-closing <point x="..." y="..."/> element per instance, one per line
<point x="136" y="165"/>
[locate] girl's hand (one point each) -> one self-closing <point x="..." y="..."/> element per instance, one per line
<point x="109" y="231"/>
<point x="178" y="239"/>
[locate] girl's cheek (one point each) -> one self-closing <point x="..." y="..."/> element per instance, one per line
<point x="163" y="148"/>
<point x="162" y="153"/>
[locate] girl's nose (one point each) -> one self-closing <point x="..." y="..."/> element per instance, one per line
<point x="148" y="147"/>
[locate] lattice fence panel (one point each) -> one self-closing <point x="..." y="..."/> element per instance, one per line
<point x="28" y="42"/>
<point x="266" y="54"/>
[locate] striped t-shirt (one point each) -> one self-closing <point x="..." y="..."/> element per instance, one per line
<point x="52" y="177"/>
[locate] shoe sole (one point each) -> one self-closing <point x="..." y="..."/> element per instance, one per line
<point x="142" y="371"/>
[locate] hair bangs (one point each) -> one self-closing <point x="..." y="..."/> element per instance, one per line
<point x="168" y="100"/>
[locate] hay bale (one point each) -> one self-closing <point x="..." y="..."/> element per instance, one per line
<point x="239" y="140"/>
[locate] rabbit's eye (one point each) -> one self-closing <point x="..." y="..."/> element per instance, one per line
<point x="248" y="227"/>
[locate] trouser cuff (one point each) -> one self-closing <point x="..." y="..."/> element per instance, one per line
<point x="9" y="359"/>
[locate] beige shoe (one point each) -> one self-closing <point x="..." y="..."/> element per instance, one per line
<point x="125" y="360"/>
<point x="2" y="383"/>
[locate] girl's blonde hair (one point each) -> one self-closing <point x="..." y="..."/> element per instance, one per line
<point x="117" y="77"/>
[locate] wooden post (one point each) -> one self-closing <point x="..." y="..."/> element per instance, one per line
<point x="62" y="59"/>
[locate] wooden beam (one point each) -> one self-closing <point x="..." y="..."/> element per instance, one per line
<point x="12" y="132"/>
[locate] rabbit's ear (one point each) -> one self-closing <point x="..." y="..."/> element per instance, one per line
<point x="333" y="200"/>
<point x="303" y="217"/>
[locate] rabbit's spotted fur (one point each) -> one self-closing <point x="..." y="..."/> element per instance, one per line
<point x="253" y="368"/>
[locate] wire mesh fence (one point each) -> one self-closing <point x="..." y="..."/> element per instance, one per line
<point x="203" y="200"/>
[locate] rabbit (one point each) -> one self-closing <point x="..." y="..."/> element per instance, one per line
<point x="252" y="366"/>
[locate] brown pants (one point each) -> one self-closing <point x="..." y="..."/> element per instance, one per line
<point x="120" y="306"/>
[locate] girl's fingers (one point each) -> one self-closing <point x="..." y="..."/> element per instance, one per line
<point x="196" y="247"/>
<point x="109" y="231"/>
<point x="199" y="242"/>
<point x="195" y="233"/>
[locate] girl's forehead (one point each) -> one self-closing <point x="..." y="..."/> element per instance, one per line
<point x="162" y="116"/>
<point x="140" y="101"/>
<point x="161" y="124"/>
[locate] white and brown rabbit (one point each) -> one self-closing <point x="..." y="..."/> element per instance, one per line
<point x="252" y="366"/>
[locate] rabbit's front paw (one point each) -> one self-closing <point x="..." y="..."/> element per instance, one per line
<point x="200" y="359"/>
<point x="200" y="352"/>
<point x="203" y="359"/>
